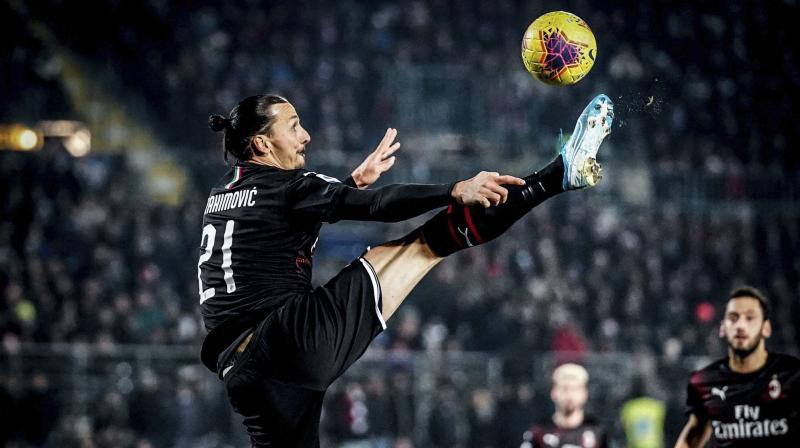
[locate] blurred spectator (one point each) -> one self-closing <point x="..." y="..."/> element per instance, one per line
<point x="189" y="410"/>
<point x="516" y="412"/>
<point x="402" y="404"/>
<point x="349" y="423"/>
<point x="8" y="425"/>
<point x="153" y="419"/>
<point x="482" y="420"/>
<point x="379" y="404"/>
<point x="37" y="411"/>
<point x="446" y="421"/>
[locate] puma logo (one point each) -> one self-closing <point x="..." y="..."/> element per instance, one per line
<point x="465" y="232"/>
<point x="719" y="392"/>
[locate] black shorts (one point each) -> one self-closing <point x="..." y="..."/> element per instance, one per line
<point x="280" y="379"/>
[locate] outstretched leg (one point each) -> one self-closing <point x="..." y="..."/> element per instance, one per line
<point x="401" y="264"/>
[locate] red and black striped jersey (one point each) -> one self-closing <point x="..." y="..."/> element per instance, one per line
<point x="761" y="408"/>
<point x="260" y="228"/>
<point x="590" y="434"/>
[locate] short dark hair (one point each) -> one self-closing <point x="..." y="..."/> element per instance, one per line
<point x="247" y="119"/>
<point x="752" y="292"/>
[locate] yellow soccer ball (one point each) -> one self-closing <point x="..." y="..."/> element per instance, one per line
<point x="559" y="48"/>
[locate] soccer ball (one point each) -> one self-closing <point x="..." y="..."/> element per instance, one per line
<point x="558" y="48"/>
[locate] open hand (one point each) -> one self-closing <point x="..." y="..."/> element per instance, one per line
<point x="484" y="189"/>
<point x="377" y="163"/>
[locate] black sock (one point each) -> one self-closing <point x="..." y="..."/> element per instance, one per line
<point x="459" y="227"/>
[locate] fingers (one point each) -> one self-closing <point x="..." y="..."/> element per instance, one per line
<point x="391" y="150"/>
<point x="388" y="138"/>
<point x="494" y="197"/>
<point x="388" y="163"/>
<point x="487" y="188"/>
<point x="387" y="146"/>
<point x="508" y="180"/>
<point x="500" y="191"/>
<point x="498" y="194"/>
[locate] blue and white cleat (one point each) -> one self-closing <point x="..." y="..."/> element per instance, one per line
<point x="581" y="168"/>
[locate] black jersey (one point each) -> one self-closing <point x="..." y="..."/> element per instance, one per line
<point x="590" y="434"/>
<point x="260" y="226"/>
<point x="761" y="408"/>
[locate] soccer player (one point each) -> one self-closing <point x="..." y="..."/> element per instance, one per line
<point x="570" y="426"/>
<point x="276" y="342"/>
<point x="749" y="398"/>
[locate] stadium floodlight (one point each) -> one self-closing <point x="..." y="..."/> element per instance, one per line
<point x="77" y="139"/>
<point x="74" y="136"/>
<point x="18" y="137"/>
<point x="79" y="143"/>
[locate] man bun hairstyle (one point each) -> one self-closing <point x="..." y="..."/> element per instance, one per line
<point x="252" y="116"/>
<point x="217" y="122"/>
<point x="752" y="292"/>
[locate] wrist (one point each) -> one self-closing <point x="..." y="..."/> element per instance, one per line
<point x="453" y="191"/>
<point x="358" y="180"/>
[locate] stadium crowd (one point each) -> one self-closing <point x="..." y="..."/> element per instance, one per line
<point x="335" y="79"/>
<point x="86" y="258"/>
<point x="334" y="61"/>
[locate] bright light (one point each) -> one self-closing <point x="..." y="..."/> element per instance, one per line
<point x="18" y="137"/>
<point x="79" y="143"/>
<point x="75" y="136"/>
<point x="26" y="139"/>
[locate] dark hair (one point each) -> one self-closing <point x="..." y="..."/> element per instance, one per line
<point x="749" y="291"/>
<point x="252" y="116"/>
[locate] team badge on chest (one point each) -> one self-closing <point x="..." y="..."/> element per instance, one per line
<point x="774" y="387"/>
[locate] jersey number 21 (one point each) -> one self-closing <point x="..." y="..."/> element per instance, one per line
<point x="209" y="235"/>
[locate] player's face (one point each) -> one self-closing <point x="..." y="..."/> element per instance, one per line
<point x="287" y="138"/>
<point x="569" y="396"/>
<point x="743" y="326"/>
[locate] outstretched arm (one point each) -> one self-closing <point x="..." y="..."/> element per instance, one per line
<point x="321" y="198"/>
<point x="695" y="434"/>
<point x="399" y="202"/>
<point x="378" y="162"/>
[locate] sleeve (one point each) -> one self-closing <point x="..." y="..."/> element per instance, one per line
<point x="694" y="400"/>
<point x="314" y="196"/>
<point x="350" y="182"/>
<point x="322" y="198"/>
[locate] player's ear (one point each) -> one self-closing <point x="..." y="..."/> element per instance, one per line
<point x="722" y="329"/>
<point x="261" y="144"/>
<point x="766" y="329"/>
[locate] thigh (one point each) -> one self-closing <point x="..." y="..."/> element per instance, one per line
<point x="278" y="383"/>
<point x="400" y="265"/>
<point x="315" y="338"/>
